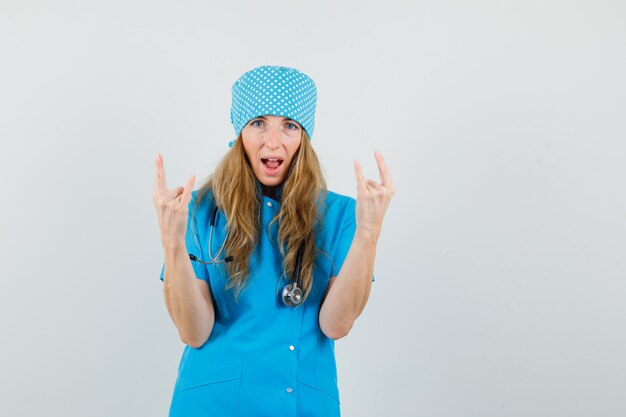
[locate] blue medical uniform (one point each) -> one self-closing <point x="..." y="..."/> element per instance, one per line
<point x="263" y="359"/>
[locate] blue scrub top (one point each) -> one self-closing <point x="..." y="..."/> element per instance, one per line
<point x="263" y="359"/>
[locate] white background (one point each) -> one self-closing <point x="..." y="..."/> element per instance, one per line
<point x="500" y="276"/>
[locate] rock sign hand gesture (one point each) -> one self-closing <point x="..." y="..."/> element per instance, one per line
<point x="172" y="206"/>
<point x="372" y="199"/>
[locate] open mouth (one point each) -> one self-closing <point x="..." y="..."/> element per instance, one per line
<point x="272" y="163"/>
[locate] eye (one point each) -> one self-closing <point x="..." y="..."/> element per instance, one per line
<point x="254" y="123"/>
<point x="292" y="126"/>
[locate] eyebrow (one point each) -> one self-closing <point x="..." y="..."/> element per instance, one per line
<point x="284" y="118"/>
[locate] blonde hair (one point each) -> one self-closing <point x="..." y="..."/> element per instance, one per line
<point x="235" y="192"/>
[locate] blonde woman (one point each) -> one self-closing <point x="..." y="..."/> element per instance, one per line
<point x="264" y="267"/>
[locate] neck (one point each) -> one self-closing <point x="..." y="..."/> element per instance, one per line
<point x="272" y="192"/>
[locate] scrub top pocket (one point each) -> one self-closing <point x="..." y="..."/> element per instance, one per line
<point x="213" y="392"/>
<point x="319" y="395"/>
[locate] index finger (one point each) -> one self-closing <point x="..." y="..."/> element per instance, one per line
<point x="383" y="169"/>
<point x="161" y="183"/>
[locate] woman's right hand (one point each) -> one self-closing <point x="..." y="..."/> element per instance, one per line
<point x="172" y="206"/>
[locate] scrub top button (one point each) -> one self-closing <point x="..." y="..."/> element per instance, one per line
<point x="289" y="390"/>
<point x="269" y="204"/>
<point x="291" y="347"/>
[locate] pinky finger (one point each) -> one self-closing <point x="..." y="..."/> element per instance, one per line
<point x="185" y="197"/>
<point x="360" y="181"/>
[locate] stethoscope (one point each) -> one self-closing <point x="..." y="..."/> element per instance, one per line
<point x="291" y="295"/>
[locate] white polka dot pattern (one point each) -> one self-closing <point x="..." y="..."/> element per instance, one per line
<point x="277" y="91"/>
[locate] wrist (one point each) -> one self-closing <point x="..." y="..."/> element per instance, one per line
<point x="174" y="245"/>
<point x="366" y="236"/>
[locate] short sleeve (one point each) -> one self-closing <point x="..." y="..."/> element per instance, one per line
<point x="344" y="237"/>
<point x="192" y="241"/>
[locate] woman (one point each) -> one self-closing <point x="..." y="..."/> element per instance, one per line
<point x="264" y="268"/>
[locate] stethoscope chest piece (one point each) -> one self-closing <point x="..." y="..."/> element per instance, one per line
<point x="292" y="295"/>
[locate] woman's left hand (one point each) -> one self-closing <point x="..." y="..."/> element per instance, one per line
<point x="372" y="199"/>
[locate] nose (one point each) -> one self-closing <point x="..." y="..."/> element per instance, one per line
<point x="272" y="139"/>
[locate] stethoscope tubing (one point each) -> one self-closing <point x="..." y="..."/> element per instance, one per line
<point x="291" y="294"/>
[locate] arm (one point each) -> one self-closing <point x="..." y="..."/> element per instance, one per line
<point x="347" y="293"/>
<point x="188" y="299"/>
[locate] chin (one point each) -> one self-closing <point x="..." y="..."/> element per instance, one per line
<point x="271" y="182"/>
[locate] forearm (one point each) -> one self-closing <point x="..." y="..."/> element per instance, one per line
<point x="190" y="310"/>
<point x="349" y="292"/>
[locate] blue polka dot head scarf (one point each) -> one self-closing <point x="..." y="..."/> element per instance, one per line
<point x="277" y="91"/>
